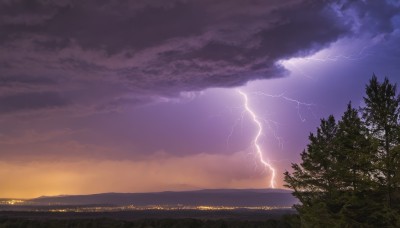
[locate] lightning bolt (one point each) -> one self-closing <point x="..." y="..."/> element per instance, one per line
<point x="257" y="137"/>
<point x="297" y="102"/>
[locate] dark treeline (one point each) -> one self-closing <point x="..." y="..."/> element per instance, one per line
<point x="350" y="172"/>
<point x="286" y="221"/>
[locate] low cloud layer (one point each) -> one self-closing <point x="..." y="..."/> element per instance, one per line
<point x="133" y="52"/>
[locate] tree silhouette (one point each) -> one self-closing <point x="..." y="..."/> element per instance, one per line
<point x="381" y="114"/>
<point x="350" y="173"/>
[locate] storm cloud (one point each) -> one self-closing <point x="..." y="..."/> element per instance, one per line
<point x="102" y="95"/>
<point x="137" y="51"/>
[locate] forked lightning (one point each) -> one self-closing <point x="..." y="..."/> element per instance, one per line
<point x="257" y="146"/>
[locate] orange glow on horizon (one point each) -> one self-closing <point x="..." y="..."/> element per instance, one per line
<point x="200" y="171"/>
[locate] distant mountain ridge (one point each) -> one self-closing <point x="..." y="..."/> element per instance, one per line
<point x="209" y="197"/>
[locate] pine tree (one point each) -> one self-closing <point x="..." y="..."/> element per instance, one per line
<point x="314" y="180"/>
<point x="381" y="114"/>
<point x="356" y="149"/>
<point x="350" y="173"/>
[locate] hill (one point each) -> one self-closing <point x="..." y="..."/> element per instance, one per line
<point x="209" y="197"/>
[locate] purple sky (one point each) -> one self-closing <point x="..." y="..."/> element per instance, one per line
<point x="131" y="96"/>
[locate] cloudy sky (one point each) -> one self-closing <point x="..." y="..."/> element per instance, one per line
<point x="137" y="96"/>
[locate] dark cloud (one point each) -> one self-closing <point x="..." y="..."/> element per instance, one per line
<point x="25" y="79"/>
<point x="31" y="101"/>
<point x="158" y="48"/>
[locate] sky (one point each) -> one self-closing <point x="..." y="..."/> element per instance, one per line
<point x="143" y="96"/>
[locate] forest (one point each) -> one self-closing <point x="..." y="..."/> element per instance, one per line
<point x="284" y="222"/>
